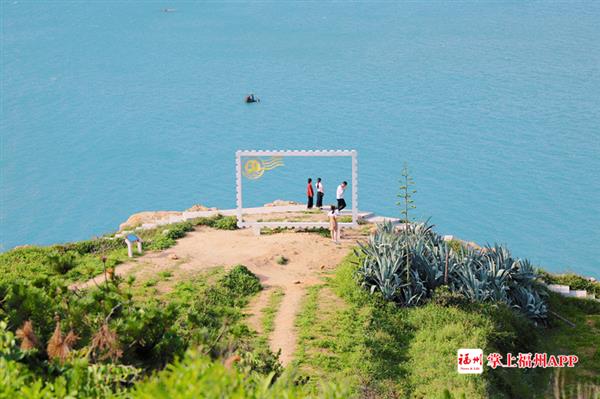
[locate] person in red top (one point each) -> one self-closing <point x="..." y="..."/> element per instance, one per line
<point x="310" y="193"/>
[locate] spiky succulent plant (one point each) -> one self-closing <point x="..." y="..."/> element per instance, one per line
<point x="489" y="274"/>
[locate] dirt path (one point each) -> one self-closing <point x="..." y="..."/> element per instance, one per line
<point x="284" y="336"/>
<point x="309" y="255"/>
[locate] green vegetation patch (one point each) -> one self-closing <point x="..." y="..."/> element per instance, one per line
<point x="82" y="260"/>
<point x="163" y="237"/>
<point x="281" y="260"/>
<point x="268" y="312"/>
<point x="68" y="262"/>
<point x="331" y="342"/>
<point x="106" y="334"/>
<point x="345" y="219"/>
<point x="196" y="376"/>
<point x="582" y="340"/>
<point x="574" y="281"/>
<point x="217" y="222"/>
<point x="382" y="350"/>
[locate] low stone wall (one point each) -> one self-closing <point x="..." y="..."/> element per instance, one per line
<point x="565" y="290"/>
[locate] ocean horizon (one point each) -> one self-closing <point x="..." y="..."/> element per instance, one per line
<point x="108" y="109"/>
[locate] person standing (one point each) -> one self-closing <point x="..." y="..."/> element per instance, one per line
<point x="333" y="224"/>
<point x="310" y="194"/>
<point x="339" y="194"/>
<point x="320" y="193"/>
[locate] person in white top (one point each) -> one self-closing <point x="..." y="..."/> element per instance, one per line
<point x="333" y="224"/>
<point x="320" y="193"/>
<point x="339" y="194"/>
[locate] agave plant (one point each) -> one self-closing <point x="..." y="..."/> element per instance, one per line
<point x="489" y="274"/>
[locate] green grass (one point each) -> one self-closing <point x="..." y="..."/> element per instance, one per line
<point x="583" y="340"/>
<point x="275" y="230"/>
<point x="331" y="341"/>
<point x="321" y="231"/>
<point x="82" y="260"/>
<point x="300" y="218"/>
<point x="163" y="237"/>
<point x="65" y="263"/>
<point x="268" y="312"/>
<point x="381" y="350"/>
<point x="165" y="275"/>
<point x="312" y="211"/>
<point x="185" y="292"/>
<point x="150" y="283"/>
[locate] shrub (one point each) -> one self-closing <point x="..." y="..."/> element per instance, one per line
<point x="179" y="230"/>
<point x="206" y="221"/>
<point x="196" y="376"/>
<point x="61" y="263"/>
<point x="150" y="333"/>
<point x="281" y="260"/>
<point x="217" y="222"/>
<point x="21" y="301"/>
<point x="260" y="360"/>
<point x="161" y="242"/>
<point x="241" y="281"/>
<point x="457" y="246"/>
<point x="95" y="246"/>
<point x="443" y="296"/>
<point x="226" y="223"/>
<point x="77" y="378"/>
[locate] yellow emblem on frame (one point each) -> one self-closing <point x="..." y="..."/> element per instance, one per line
<point x="254" y="168"/>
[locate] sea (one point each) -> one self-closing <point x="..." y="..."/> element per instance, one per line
<point x="110" y="108"/>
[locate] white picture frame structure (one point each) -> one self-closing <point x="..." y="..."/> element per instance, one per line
<point x="353" y="154"/>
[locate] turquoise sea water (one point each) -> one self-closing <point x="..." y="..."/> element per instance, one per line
<point x="110" y="108"/>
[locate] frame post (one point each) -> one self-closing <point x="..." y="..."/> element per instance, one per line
<point x="238" y="194"/>
<point x="354" y="188"/>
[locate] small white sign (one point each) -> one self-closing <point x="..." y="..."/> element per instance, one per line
<point x="470" y="361"/>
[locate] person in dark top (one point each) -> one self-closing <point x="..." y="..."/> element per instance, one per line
<point x="320" y="193"/>
<point x="339" y="194"/>
<point x="310" y="194"/>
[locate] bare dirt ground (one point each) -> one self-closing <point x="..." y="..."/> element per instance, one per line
<point x="309" y="256"/>
<point x="314" y="215"/>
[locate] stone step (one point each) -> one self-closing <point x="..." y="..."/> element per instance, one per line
<point x="578" y="293"/>
<point x="561" y="289"/>
<point x="381" y="219"/>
